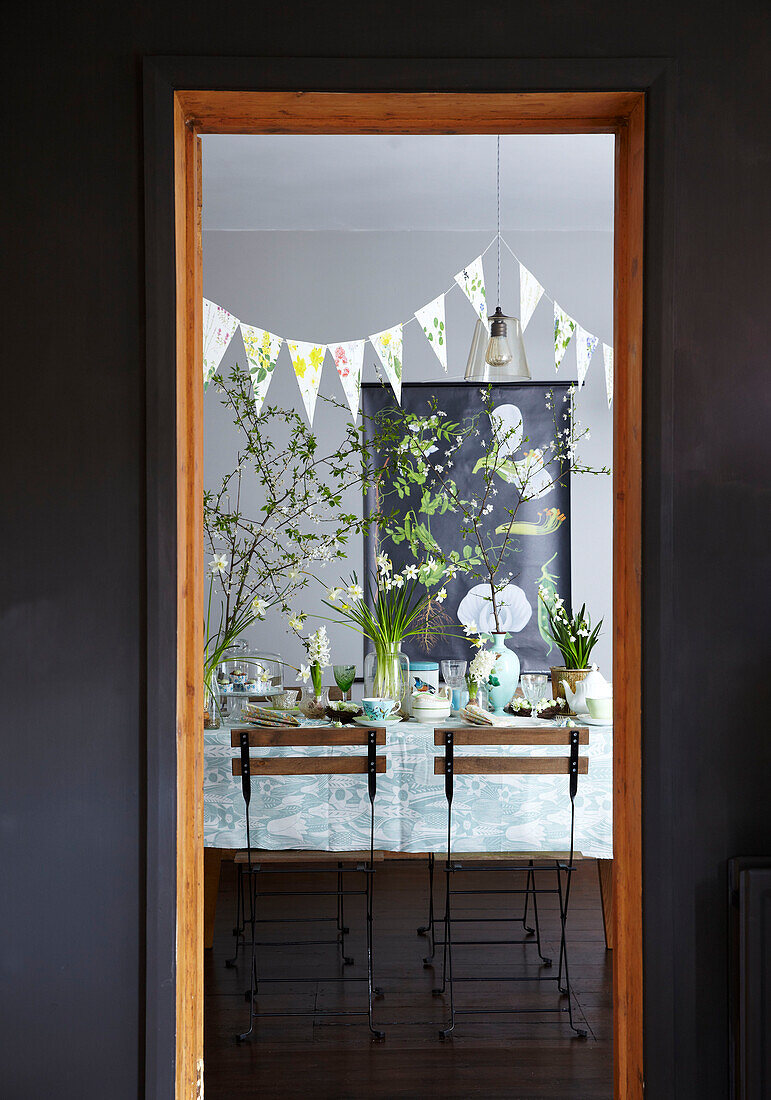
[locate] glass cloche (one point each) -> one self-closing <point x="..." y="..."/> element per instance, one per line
<point x="246" y="674"/>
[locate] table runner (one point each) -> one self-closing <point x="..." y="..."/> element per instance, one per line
<point x="490" y="813"/>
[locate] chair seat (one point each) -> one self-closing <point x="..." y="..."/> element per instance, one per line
<point x="292" y="855"/>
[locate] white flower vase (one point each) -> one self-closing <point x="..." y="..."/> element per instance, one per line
<point x="506" y="672"/>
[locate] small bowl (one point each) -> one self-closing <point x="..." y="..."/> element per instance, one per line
<point x="343" y="712"/>
<point x="285" y="700"/>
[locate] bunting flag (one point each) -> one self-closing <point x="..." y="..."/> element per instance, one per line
<point x="307" y="360"/>
<point x="472" y="282"/>
<point x="607" y="355"/>
<point x="262" y="350"/>
<point x="564" y="327"/>
<point x="218" y="329"/>
<point x="530" y="291"/>
<point x="349" y="356"/>
<point x="431" y="320"/>
<point x="585" y="348"/>
<point x="388" y="345"/>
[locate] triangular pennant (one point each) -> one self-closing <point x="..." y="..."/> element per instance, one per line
<point x="530" y="291"/>
<point x="585" y="347"/>
<point x="307" y="360"/>
<point x="218" y="328"/>
<point x="564" y="327"/>
<point x="262" y="350"/>
<point x="431" y="320"/>
<point x="607" y="355"/>
<point x="388" y="345"/>
<point x="472" y="282"/>
<point x="348" y="357"/>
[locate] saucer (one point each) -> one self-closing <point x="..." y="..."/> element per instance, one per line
<point x="370" y="722"/>
<point x="594" y="721"/>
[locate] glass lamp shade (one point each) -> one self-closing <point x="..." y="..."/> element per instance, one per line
<point x="515" y="370"/>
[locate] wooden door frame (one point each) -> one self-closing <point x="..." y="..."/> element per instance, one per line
<point x="202" y="111"/>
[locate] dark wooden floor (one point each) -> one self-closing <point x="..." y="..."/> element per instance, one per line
<point x="517" y="1057"/>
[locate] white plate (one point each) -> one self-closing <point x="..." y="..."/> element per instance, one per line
<point x="369" y="722"/>
<point x="594" y="721"/>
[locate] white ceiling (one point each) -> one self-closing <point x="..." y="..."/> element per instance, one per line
<point x="389" y="182"/>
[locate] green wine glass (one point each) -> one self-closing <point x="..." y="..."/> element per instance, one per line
<point x="344" y="677"/>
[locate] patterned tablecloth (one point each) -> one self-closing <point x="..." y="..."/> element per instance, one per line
<point x="490" y="813"/>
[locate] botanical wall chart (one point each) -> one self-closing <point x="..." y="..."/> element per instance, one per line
<point x="541" y="549"/>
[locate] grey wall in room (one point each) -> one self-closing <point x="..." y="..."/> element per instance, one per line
<point x="328" y="286"/>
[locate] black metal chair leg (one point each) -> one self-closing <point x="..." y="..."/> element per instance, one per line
<point x="347" y="960"/>
<point x="444" y="1033"/>
<point x="546" y="961"/>
<point x="371" y="988"/>
<point x="529" y="885"/>
<point x="429" y="929"/>
<point x="238" y="929"/>
<point x="252" y="991"/>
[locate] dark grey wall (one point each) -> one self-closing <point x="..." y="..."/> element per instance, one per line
<point x="73" y="444"/>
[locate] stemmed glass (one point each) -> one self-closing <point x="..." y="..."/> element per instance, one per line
<point x="344" y="677"/>
<point x="454" y="673"/>
<point x="534" y="687"/>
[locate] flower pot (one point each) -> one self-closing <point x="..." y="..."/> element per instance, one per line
<point x="572" y="675"/>
<point x="506" y="671"/>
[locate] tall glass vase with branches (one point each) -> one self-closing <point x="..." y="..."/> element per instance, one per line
<point x="264" y="554"/>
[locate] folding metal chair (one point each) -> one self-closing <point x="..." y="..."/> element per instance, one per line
<point x="451" y="765"/>
<point x="256" y="864"/>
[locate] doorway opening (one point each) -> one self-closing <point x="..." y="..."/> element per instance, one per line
<point x="616" y="113"/>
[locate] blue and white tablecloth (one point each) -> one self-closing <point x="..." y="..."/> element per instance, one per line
<point x="490" y="813"/>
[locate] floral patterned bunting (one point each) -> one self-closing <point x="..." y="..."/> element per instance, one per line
<point x="472" y="282"/>
<point x="388" y="345"/>
<point x="607" y="355"/>
<point x="585" y="348"/>
<point x="530" y="291"/>
<point x="564" y="327"/>
<point x="262" y="349"/>
<point x="307" y="360"/>
<point x="218" y="329"/>
<point x="349" y="357"/>
<point x="431" y="320"/>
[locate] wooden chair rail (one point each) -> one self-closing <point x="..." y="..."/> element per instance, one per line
<point x="296" y="736"/>
<point x="522" y="735"/>
<point x="511" y="765"/>
<point x="308" y="765"/>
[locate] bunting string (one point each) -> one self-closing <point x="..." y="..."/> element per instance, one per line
<point x="262" y="347"/>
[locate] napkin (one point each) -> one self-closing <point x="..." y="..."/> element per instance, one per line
<point x="269" y="717"/>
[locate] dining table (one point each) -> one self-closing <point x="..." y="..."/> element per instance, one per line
<point x="491" y="814"/>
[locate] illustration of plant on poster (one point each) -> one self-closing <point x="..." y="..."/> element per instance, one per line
<point x="539" y="552"/>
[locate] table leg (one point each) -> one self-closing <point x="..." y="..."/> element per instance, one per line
<point x="605" y="875"/>
<point x="212" y="861"/>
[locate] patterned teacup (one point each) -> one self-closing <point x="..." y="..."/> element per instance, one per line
<point x="377" y="710"/>
<point x="285" y="700"/>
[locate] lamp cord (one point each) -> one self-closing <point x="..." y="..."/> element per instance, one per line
<point x="498" y="194"/>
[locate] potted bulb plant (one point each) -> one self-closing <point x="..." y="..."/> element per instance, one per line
<point x="573" y="636"/>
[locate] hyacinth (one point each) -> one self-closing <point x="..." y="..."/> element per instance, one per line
<point x="481" y="666"/>
<point x="318" y="648"/>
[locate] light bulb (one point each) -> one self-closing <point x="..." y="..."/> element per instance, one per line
<point x="498" y="352"/>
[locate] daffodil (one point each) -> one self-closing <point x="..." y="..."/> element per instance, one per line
<point x="258" y="606"/>
<point x="305" y="673"/>
<point x="355" y="591"/>
<point x="219" y="564"/>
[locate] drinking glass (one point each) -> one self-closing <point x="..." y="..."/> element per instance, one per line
<point x="344" y="677"/>
<point x="534" y="687"/>
<point x="454" y="673"/>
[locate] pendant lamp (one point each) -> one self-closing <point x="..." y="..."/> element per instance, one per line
<point x="497" y="353"/>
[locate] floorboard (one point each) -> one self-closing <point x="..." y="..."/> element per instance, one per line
<point x="528" y="1055"/>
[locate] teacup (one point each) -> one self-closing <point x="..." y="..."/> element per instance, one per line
<point x="285" y="700"/>
<point x="600" y="708"/>
<point x="377" y="710"/>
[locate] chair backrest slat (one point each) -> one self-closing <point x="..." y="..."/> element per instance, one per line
<point x="511" y="765"/>
<point x="308" y="765"/>
<point x="521" y="735"/>
<point x="302" y="736"/>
